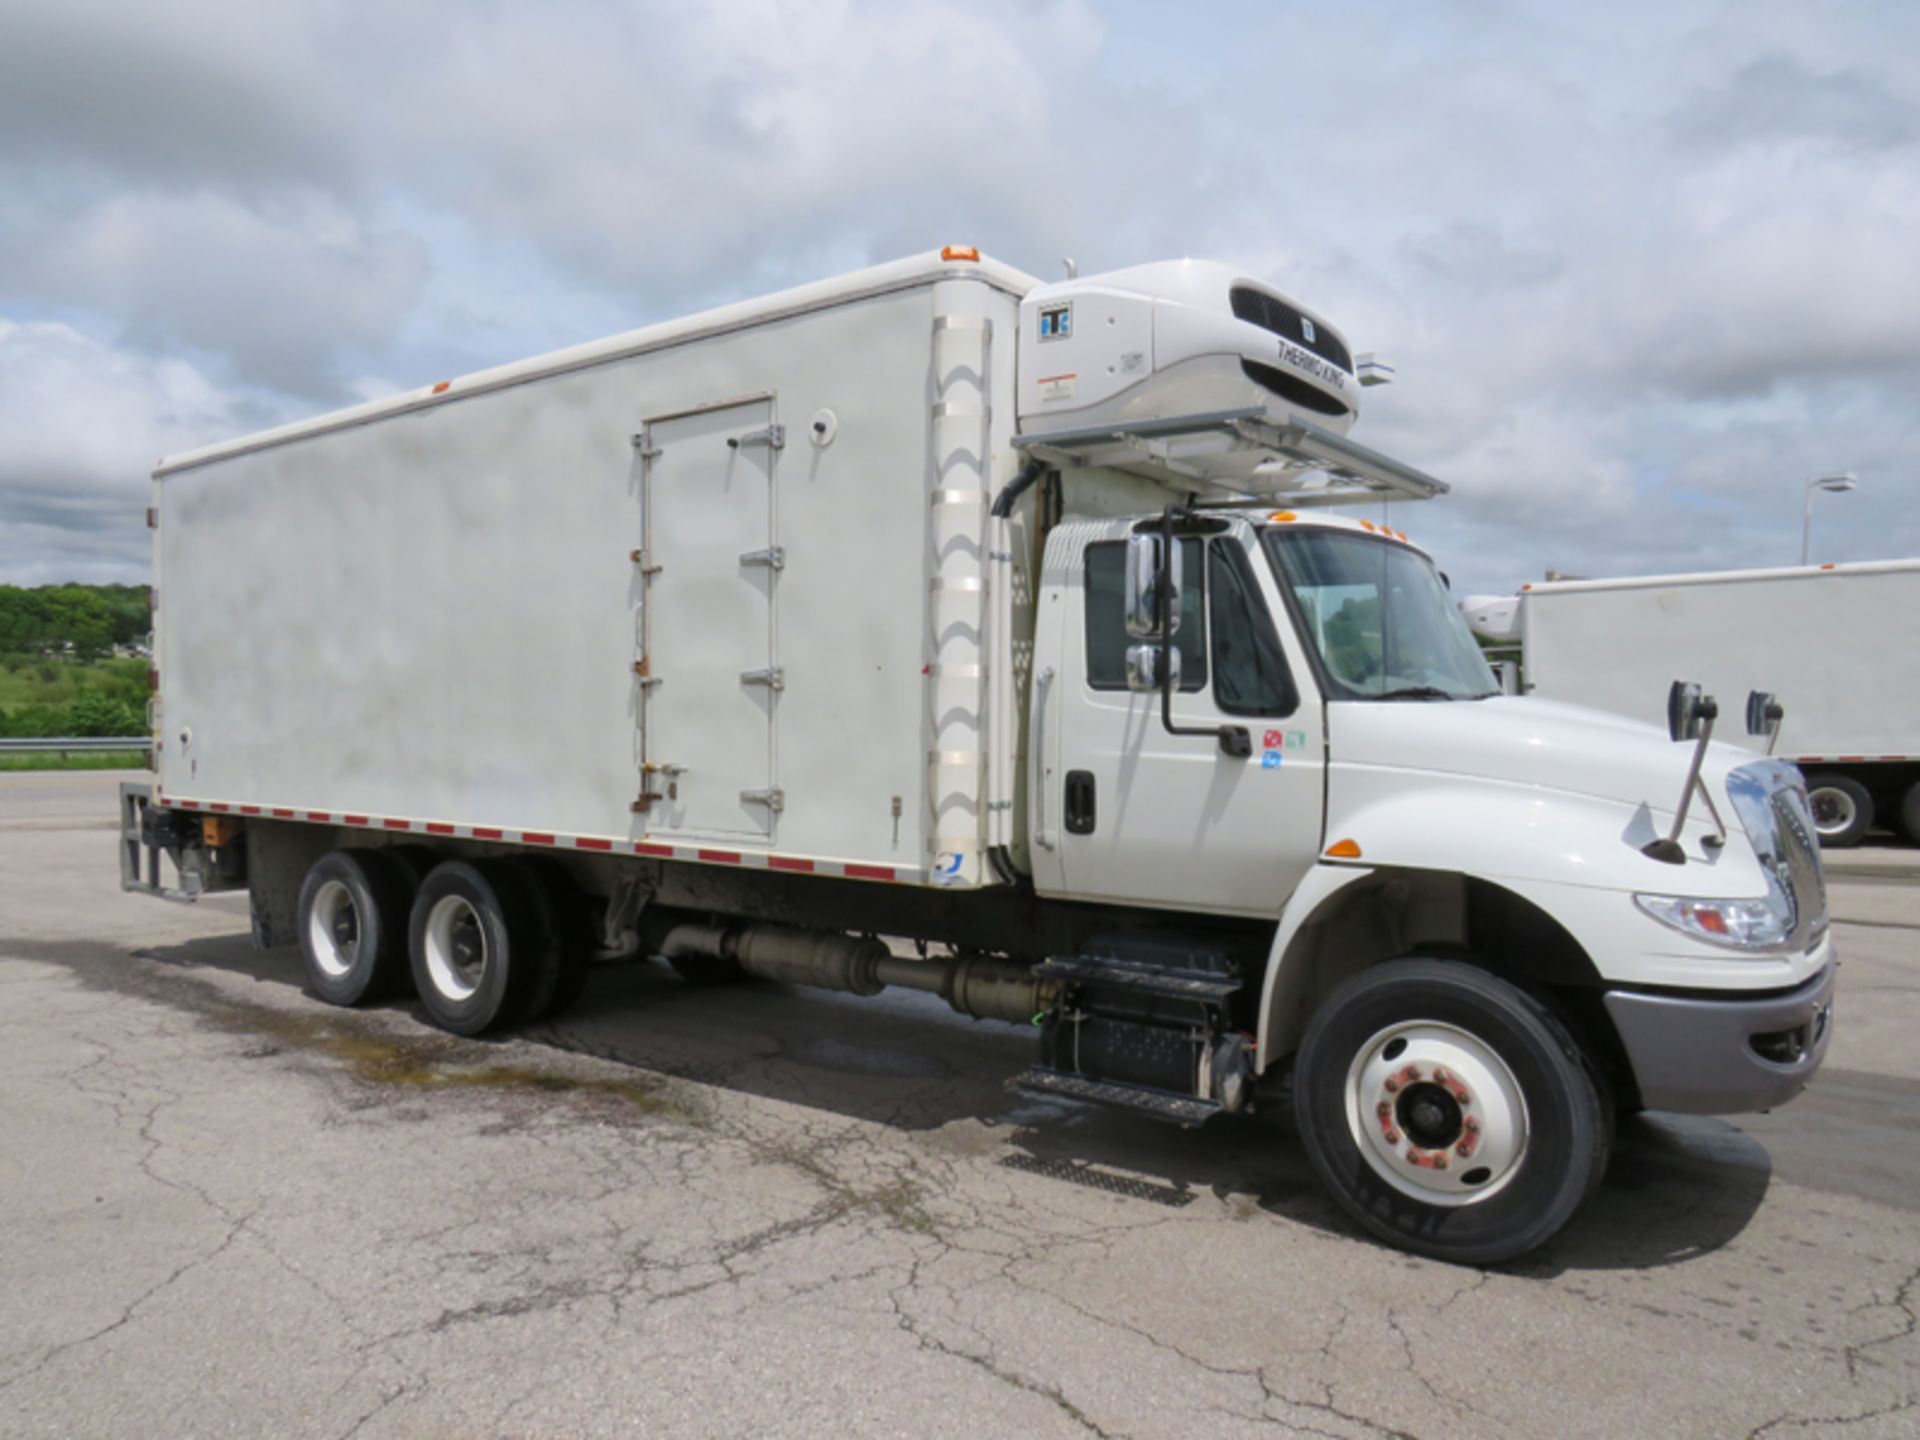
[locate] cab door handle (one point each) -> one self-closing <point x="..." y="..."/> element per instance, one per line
<point x="1078" y="807"/>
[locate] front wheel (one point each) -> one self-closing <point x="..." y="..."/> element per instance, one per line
<point x="1448" y="1111"/>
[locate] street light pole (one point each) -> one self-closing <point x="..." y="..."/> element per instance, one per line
<point x="1834" y="483"/>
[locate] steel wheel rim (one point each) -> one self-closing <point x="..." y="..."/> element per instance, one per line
<point x="1833" y="810"/>
<point x="1436" y="1113"/>
<point x="333" y="929"/>
<point x="456" y="954"/>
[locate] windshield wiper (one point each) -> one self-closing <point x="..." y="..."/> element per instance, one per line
<point x="1415" y="692"/>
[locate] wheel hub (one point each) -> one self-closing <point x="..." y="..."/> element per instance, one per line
<point x="1436" y="1113"/>
<point x="456" y="948"/>
<point x="334" y="929"/>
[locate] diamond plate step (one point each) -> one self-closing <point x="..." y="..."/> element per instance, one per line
<point x="1183" y="1110"/>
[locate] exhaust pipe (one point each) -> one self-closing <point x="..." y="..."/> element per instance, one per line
<point x="977" y="985"/>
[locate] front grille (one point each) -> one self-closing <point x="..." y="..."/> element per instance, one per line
<point x="1270" y="312"/>
<point x="1771" y="802"/>
<point x="1292" y="388"/>
<point x="1799" y="858"/>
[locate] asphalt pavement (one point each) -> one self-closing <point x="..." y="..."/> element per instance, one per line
<point x="226" y="1209"/>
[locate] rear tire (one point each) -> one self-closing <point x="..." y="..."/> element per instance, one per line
<point x="352" y="922"/>
<point x="1449" y="1112"/>
<point x="566" y="951"/>
<point x="1842" y="809"/>
<point x="474" y="943"/>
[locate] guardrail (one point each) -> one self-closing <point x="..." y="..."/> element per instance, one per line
<point x="64" y="745"/>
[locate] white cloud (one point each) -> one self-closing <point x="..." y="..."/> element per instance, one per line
<point x="1642" y="267"/>
<point x="80" y="430"/>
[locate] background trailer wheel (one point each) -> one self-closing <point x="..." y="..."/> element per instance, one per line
<point x="352" y="921"/>
<point x="1448" y="1111"/>
<point x="1842" y="808"/>
<point x="475" y="942"/>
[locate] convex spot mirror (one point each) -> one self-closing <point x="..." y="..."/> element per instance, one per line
<point x="1763" y="712"/>
<point x="1153" y="576"/>
<point x="1688" y="710"/>
<point x="1143" y="667"/>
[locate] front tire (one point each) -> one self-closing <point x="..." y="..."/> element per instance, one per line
<point x="1448" y="1111"/>
<point x="1842" y="809"/>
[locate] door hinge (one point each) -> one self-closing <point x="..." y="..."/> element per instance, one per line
<point x="774" y="557"/>
<point x="774" y="677"/>
<point x="774" y="437"/>
<point x="647" y="452"/>
<point x="774" y="798"/>
<point x="646" y="562"/>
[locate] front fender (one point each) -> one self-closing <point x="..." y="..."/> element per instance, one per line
<point x="1575" y="857"/>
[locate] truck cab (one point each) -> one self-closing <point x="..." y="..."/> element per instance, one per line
<point x="1483" y="943"/>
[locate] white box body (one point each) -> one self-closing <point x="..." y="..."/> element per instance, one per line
<point x="428" y="612"/>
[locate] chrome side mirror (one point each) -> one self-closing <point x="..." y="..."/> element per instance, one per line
<point x="1143" y="668"/>
<point x="1764" y="716"/>
<point x="1688" y="709"/>
<point x="1153" y="574"/>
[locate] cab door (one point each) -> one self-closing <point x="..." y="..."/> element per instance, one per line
<point x="1134" y="814"/>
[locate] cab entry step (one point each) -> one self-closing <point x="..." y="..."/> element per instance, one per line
<point x="1186" y="1111"/>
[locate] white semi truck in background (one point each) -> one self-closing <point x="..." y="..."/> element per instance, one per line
<point x="1834" y="644"/>
<point x="941" y="604"/>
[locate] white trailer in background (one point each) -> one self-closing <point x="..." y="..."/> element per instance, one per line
<point x="1837" y="645"/>
<point x="937" y="603"/>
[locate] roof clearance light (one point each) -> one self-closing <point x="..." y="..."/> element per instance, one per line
<point x="1283" y="516"/>
<point x="960" y="252"/>
<point x="1344" y="849"/>
<point x="441" y="388"/>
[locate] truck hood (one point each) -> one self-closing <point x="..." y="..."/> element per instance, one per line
<point x="1524" y="741"/>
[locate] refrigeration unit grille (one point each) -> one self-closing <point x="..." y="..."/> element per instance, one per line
<point x="1270" y="312"/>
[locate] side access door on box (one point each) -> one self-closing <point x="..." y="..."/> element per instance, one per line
<point x="709" y="679"/>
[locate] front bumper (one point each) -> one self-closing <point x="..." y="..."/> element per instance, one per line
<point x="1724" y="1057"/>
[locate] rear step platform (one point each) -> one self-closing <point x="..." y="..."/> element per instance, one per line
<point x="1186" y="1111"/>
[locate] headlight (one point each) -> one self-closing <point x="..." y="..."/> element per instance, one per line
<point x="1736" y="924"/>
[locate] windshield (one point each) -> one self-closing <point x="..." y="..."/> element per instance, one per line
<point x="1380" y="618"/>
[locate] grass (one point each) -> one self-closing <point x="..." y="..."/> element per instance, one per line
<point x="33" y="680"/>
<point x="97" y="760"/>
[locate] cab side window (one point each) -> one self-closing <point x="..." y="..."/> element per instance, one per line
<point x="1250" y="675"/>
<point x="1107" y="638"/>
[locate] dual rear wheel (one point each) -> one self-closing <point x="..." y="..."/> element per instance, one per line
<point x="484" y="943"/>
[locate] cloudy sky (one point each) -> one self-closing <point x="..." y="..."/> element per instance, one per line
<point x="1643" y="268"/>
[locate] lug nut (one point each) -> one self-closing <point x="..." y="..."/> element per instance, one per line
<point x="1471" y="1125"/>
<point x="1383" y="1109"/>
<point x="1392" y="1086"/>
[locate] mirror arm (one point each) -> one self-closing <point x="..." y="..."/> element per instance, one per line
<point x="1234" y="739"/>
<point x="1668" y="848"/>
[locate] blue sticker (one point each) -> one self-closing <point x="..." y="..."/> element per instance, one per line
<point x="1270" y="760"/>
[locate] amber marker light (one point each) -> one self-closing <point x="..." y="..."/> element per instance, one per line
<point x="1344" y="850"/>
<point x="960" y="252"/>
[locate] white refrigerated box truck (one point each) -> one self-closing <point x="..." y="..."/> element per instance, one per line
<point x="1834" y="644"/>
<point x="941" y="604"/>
